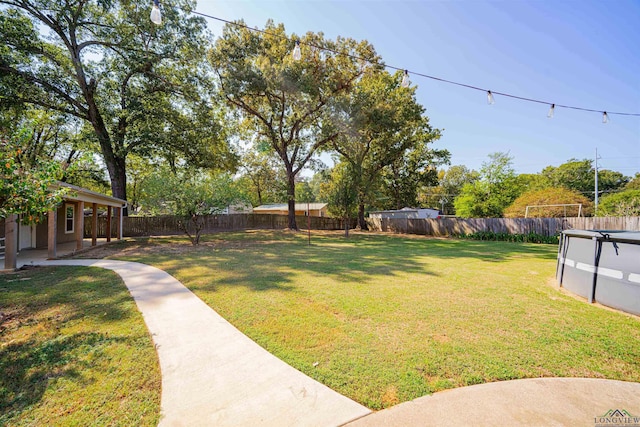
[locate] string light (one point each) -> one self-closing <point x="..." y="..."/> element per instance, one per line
<point x="490" y="99"/>
<point x="297" y="53"/>
<point x="551" y="111"/>
<point x="405" y="79"/>
<point x="490" y="94"/>
<point x="156" y="16"/>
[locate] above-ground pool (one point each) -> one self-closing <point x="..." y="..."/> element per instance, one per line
<point x="602" y="266"/>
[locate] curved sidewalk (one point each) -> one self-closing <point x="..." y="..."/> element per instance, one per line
<point x="212" y="374"/>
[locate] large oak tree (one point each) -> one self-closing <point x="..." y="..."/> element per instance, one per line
<point x="381" y="126"/>
<point x="287" y="102"/>
<point x="143" y="88"/>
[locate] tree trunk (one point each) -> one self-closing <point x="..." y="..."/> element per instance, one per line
<point x="119" y="182"/>
<point x="117" y="175"/>
<point x="116" y="162"/>
<point x="361" y="222"/>
<point x="347" y="222"/>
<point x="291" y="195"/>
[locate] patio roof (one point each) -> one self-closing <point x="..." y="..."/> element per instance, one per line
<point x="80" y="194"/>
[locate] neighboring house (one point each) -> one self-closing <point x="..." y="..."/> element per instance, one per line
<point x="407" y="213"/>
<point x="64" y="225"/>
<point x="238" y="208"/>
<point x="302" y="209"/>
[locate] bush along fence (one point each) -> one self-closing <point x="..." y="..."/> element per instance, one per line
<point x="477" y="228"/>
<point x="168" y="225"/>
<point x="506" y="237"/>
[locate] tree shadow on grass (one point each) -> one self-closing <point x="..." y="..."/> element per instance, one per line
<point x="490" y="251"/>
<point x="28" y="368"/>
<point x="271" y="264"/>
<point x="266" y="259"/>
<point x="92" y="294"/>
<point x="35" y="304"/>
<point x="395" y="246"/>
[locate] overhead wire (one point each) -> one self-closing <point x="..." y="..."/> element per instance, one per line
<point x="427" y="76"/>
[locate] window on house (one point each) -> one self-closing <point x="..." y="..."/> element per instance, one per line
<point x="69" y="218"/>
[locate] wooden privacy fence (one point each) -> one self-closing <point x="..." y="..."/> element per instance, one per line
<point x="168" y="225"/>
<point x="543" y="226"/>
<point x="630" y="223"/>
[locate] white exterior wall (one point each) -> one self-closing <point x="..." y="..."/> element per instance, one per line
<point x="428" y="213"/>
<point x="406" y="214"/>
<point x="26" y="237"/>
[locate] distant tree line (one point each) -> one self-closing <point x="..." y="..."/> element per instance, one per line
<point x="496" y="190"/>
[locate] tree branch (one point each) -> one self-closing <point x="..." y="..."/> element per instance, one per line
<point x="47" y="87"/>
<point x="313" y="149"/>
<point x="96" y="43"/>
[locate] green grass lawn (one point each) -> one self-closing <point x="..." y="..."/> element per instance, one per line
<point x="74" y="350"/>
<point x="385" y="319"/>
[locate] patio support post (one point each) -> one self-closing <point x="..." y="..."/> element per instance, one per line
<point x="79" y="225"/>
<point x="108" y="223"/>
<point x="94" y="225"/>
<point x="11" y="242"/>
<point x="52" y="234"/>
<point x="119" y="223"/>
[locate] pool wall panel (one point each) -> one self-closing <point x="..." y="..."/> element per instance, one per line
<point x="614" y="289"/>
<point x="618" y="267"/>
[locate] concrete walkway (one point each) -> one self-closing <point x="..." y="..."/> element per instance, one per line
<point x="30" y="257"/>
<point x="213" y="375"/>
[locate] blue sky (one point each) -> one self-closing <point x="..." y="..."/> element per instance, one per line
<point x="580" y="53"/>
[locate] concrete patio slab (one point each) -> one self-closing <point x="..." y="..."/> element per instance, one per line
<point x="31" y="257"/>
<point x="529" y="402"/>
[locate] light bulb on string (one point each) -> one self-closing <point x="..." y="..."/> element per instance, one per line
<point x="297" y="53"/>
<point x="362" y="64"/>
<point x="490" y="99"/>
<point x="551" y="111"/>
<point x="156" y="16"/>
<point x="605" y="117"/>
<point x="405" y="79"/>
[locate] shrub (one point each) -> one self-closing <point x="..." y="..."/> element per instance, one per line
<point x="626" y="203"/>
<point x="549" y="196"/>
<point x="507" y="237"/>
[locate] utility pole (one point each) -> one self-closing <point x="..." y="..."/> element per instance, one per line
<point x="596" y="189"/>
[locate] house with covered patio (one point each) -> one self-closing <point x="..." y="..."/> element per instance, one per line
<point x="65" y="224"/>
